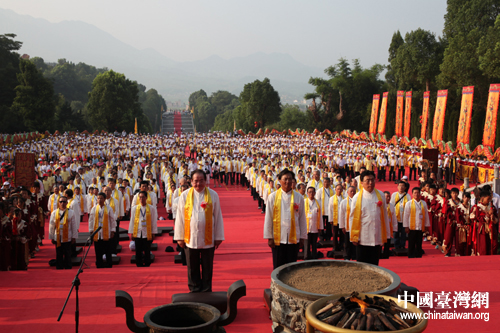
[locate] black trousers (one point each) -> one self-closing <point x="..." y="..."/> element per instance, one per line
<point x="222" y="177"/>
<point x="349" y="248"/>
<point x="368" y="254"/>
<point x="103" y="247"/>
<point x="338" y="238"/>
<point x="392" y="173"/>
<point x="116" y="239"/>
<point x="63" y="256"/>
<point x="311" y="246"/>
<point x="414" y="172"/>
<point x="142" y="252"/>
<point x="326" y="234"/>
<point x="200" y="281"/>
<point x="401" y="172"/>
<point x="284" y="254"/>
<point x="415" y="244"/>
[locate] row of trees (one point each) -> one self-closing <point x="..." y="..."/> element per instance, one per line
<point x="39" y="96"/>
<point x="466" y="55"/>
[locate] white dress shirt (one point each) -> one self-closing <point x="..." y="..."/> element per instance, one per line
<point x="197" y="228"/>
<point x="142" y="231"/>
<point x="401" y="203"/>
<point x="72" y="225"/>
<point x="370" y="233"/>
<point x="286" y="217"/>
<point x="343" y="212"/>
<point x="111" y="219"/>
<point x="324" y="193"/>
<point x="419" y="215"/>
<point x="331" y="210"/>
<point x="314" y="210"/>
<point x="154" y="200"/>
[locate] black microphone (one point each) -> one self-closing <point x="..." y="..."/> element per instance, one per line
<point x="94" y="233"/>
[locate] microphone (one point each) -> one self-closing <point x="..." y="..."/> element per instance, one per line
<point x="94" y="233"/>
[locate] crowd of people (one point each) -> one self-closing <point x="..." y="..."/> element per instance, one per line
<point x="311" y="189"/>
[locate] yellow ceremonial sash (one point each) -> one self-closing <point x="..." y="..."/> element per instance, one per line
<point x="188" y="211"/>
<point x="65" y="227"/>
<point x="336" y="209"/>
<point x="105" y="224"/>
<point x="149" y="200"/>
<point x="356" y="219"/>
<point x="389" y="214"/>
<point x="148" y="221"/>
<point x="405" y="200"/>
<point x="413" y="216"/>
<point x="81" y="204"/>
<point x="52" y="201"/>
<point x="116" y="194"/>
<point x="306" y="203"/>
<point x="170" y="199"/>
<point x="112" y="204"/>
<point x="348" y="213"/>
<point x="277" y="219"/>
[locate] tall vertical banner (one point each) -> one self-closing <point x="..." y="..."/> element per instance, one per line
<point x="438" y="125"/>
<point x="383" y="114"/>
<point x="399" y="113"/>
<point x="407" y="123"/>
<point x="373" y="118"/>
<point x="425" y="115"/>
<point x="463" y="134"/>
<point x="24" y="169"/>
<point x="490" y="126"/>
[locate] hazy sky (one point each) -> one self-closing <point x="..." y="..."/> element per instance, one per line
<point x="314" y="32"/>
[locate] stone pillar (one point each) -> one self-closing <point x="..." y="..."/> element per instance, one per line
<point x="466" y="183"/>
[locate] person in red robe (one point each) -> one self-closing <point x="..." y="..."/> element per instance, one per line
<point x="485" y="234"/>
<point x="437" y="213"/>
<point x="5" y="238"/>
<point x="428" y="192"/>
<point x="20" y="234"/>
<point x="463" y="233"/>
<point x="450" y="219"/>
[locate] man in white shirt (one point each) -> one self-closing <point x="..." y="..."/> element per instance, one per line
<point x="142" y="228"/>
<point x="368" y="221"/>
<point x="197" y="237"/>
<point x="399" y="200"/>
<point x="285" y="239"/>
<point x="345" y="210"/>
<point x="63" y="232"/>
<point x="415" y="221"/>
<point x="323" y="196"/>
<point x="315" y="223"/>
<point x="106" y="218"/>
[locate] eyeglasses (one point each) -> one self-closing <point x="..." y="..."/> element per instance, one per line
<point x="63" y="202"/>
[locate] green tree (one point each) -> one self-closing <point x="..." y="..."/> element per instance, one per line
<point x="152" y="106"/>
<point x="396" y="42"/>
<point x="292" y="118"/>
<point x="9" y="67"/>
<point x="261" y="103"/>
<point x="489" y="51"/>
<point x="34" y="100"/>
<point x="114" y="104"/>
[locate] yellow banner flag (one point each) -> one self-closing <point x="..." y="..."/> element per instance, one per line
<point x="373" y="118"/>
<point x="438" y="125"/>
<point x="399" y="113"/>
<point x="425" y="115"/>
<point x="407" y="114"/>
<point x="383" y="114"/>
<point x="463" y="134"/>
<point x="490" y="125"/>
<point x="135" y="128"/>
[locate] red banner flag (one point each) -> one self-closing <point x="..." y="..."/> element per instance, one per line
<point x="407" y="124"/>
<point x="490" y="125"/>
<point x="425" y="115"/>
<point x="383" y="114"/>
<point x="438" y="125"/>
<point x="463" y="134"/>
<point x="24" y="169"/>
<point x="399" y="113"/>
<point x="373" y="118"/>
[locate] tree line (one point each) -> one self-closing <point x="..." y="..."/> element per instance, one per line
<point x="64" y="96"/>
<point x="467" y="54"/>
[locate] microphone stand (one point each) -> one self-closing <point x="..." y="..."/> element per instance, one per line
<point x="76" y="285"/>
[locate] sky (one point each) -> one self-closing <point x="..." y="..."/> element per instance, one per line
<point x="314" y="32"/>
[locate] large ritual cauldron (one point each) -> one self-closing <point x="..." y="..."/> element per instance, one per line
<point x="289" y="304"/>
<point x="185" y="317"/>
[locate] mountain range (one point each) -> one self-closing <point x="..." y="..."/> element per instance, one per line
<point x="77" y="41"/>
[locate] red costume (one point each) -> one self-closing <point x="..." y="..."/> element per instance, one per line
<point x="450" y="219"/>
<point x="5" y="243"/>
<point x="485" y="234"/>
<point x="464" y="231"/>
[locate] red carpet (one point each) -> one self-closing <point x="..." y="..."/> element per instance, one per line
<point x="30" y="301"/>
<point x="177" y="123"/>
